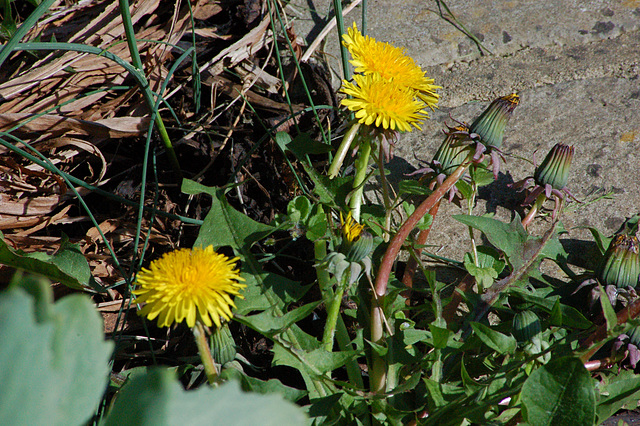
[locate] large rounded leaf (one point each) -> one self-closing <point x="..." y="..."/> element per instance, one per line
<point x="559" y="393"/>
<point x="157" y="398"/>
<point x="53" y="359"/>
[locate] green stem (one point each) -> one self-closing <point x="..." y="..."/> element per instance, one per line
<point x="324" y="279"/>
<point x="205" y="354"/>
<point x="343" y="150"/>
<point x="470" y="204"/>
<point x="386" y="199"/>
<point x="344" y="342"/>
<point x="333" y="311"/>
<point x="137" y="63"/>
<point x="364" y="152"/>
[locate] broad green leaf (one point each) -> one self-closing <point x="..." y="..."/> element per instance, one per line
<point x="315" y="363"/>
<point x="54" y="358"/>
<point x="68" y="266"/>
<point x="508" y="237"/>
<point x="269" y="323"/>
<point x="495" y="340"/>
<point x="559" y="393"/>
<point x="259" y="283"/>
<point x="224" y="225"/>
<point x="157" y="399"/>
<point x="622" y="391"/>
<point x="271" y="386"/>
<point x="440" y="336"/>
<point x="303" y="145"/>
<point x="488" y="268"/>
<point x="299" y="209"/>
<point x="571" y="317"/>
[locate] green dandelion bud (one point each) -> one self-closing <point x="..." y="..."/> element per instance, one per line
<point x="620" y="266"/>
<point x="490" y="125"/>
<point x="526" y="326"/>
<point x="634" y="336"/>
<point x="554" y="170"/>
<point x="223" y="347"/>
<point x="452" y="152"/>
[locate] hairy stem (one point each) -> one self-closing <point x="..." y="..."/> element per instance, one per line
<point x="205" y="354"/>
<point x="378" y="370"/>
<point x="364" y="152"/>
<point x="343" y="150"/>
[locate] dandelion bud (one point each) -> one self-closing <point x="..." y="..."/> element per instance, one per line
<point x="620" y="266"/>
<point x="554" y="170"/>
<point x="452" y="152"/>
<point x="526" y="326"/>
<point x="356" y="243"/>
<point x="490" y="125"/>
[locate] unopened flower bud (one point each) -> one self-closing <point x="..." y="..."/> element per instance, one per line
<point x="452" y="152"/>
<point x="490" y="125"/>
<point x="526" y="326"/>
<point x="554" y="170"/>
<point x="620" y="266"/>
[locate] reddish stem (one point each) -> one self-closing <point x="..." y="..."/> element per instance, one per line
<point x="403" y="233"/>
<point x="412" y="264"/>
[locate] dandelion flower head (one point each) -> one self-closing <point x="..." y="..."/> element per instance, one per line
<point x="374" y="57"/>
<point x="192" y="284"/>
<point x="351" y="229"/>
<point x="383" y="103"/>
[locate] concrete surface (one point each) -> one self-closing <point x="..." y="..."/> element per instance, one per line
<point x="575" y="65"/>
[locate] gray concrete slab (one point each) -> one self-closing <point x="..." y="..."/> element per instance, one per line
<point x="575" y="65"/>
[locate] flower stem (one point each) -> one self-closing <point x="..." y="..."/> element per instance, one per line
<point x="343" y="149"/>
<point x="378" y="370"/>
<point x="412" y="263"/>
<point x="470" y="204"/>
<point x="534" y="210"/>
<point x="386" y="199"/>
<point x="324" y="279"/>
<point x="333" y="311"/>
<point x="205" y="353"/>
<point x="364" y="152"/>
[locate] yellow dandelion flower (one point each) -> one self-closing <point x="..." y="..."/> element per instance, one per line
<point x="373" y="57"/>
<point x="383" y="103"/>
<point x="350" y="228"/>
<point x="195" y="284"/>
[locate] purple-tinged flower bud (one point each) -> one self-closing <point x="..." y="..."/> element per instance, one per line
<point x="554" y="170"/>
<point x="452" y="152"/>
<point x="620" y="266"/>
<point x="490" y="125"/>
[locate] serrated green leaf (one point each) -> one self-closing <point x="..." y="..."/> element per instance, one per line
<point x="494" y="339"/>
<point x="224" y="225"/>
<point x="560" y="392"/>
<point x="303" y="145"/>
<point x="259" y="283"/>
<point x="508" y="237"/>
<point x="271" y="386"/>
<point x="157" y="399"/>
<point x="622" y="391"/>
<point x="68" y="266"/>
<point x="54" y="363"/>
<point x="315" y="362"/>
<point x="571" y="317"/>
<point x="269" y="323"/>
